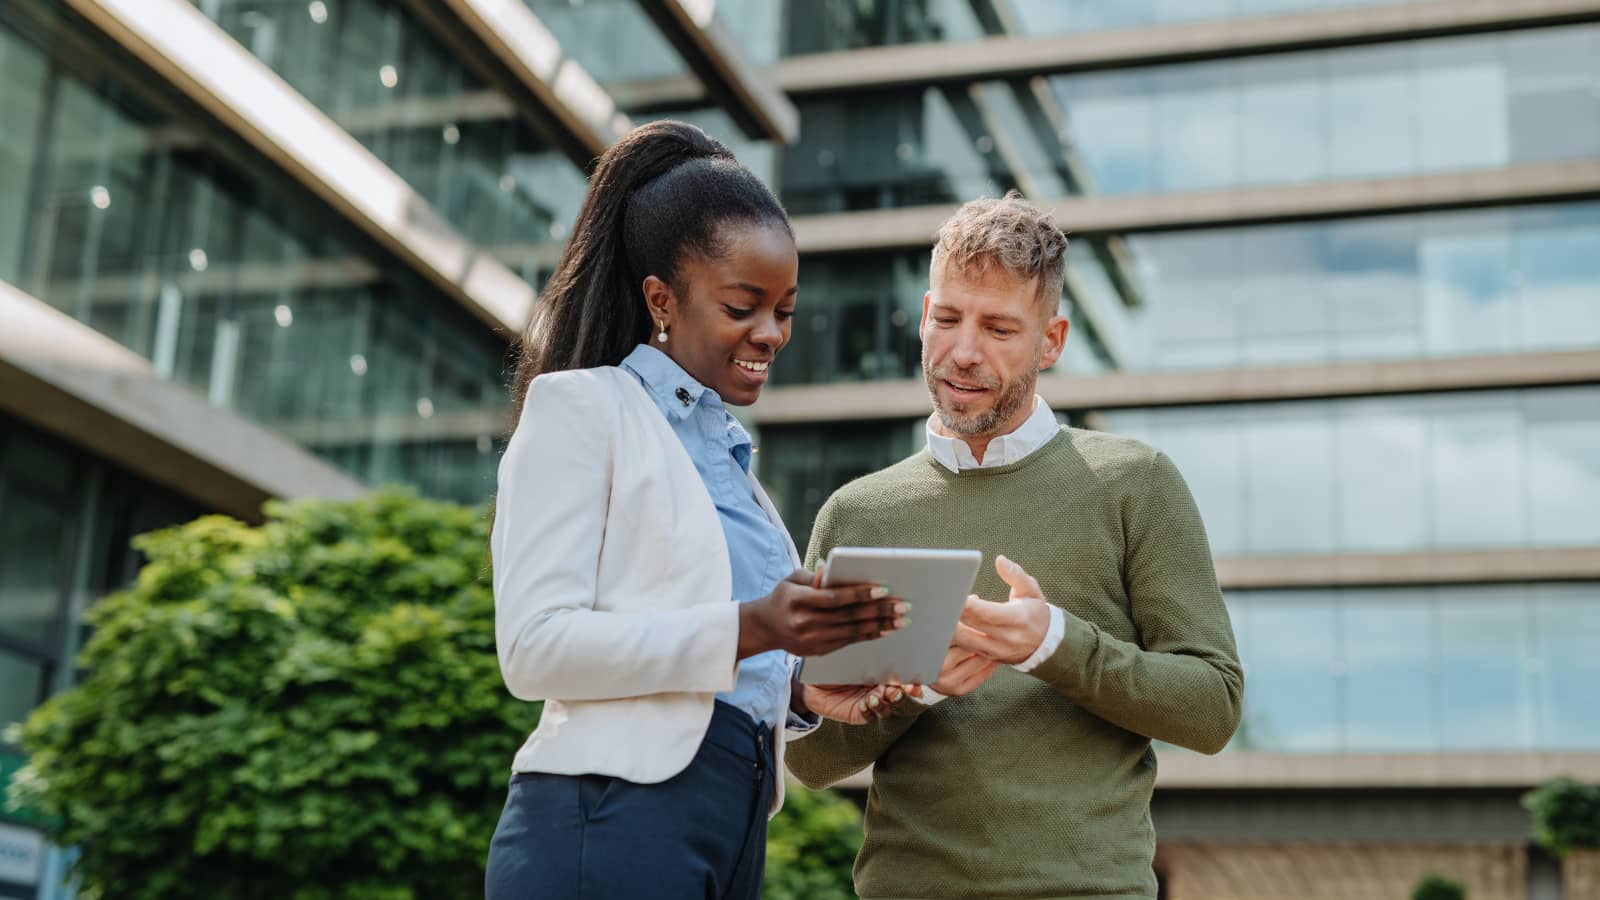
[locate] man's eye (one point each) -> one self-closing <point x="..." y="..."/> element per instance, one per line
<point x="1002" y="332"/>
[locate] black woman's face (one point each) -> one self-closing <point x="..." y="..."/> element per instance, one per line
<point x="734" y="315"/>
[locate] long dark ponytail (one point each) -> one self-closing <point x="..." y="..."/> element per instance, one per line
<point x="666" y="190"/>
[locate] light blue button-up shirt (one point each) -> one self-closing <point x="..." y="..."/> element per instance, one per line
<point x="757" y="548"/>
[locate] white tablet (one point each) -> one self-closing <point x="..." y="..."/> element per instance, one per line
<point x="936" y="584"/>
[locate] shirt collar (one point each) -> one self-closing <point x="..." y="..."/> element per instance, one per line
<point x="668" y="384"/>
<point x="955" y="455"/>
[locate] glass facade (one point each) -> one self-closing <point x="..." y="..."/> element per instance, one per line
<point x="616" y="41"/>
<point x="1445" y="105"/>
<point x="383" y="75"/>
<point x="1441" y="284"/>
<point x="1506" y="280"/>
<point x="65" y="523"/>
<point x="833" y="25"/>
<point x="161" y="238"/>
<point x="802" y="465"/>
<point x="1481" y="469"/>
<point x="918" y="147"/>
<point x="1416" y="670"/>
<point x="1442" y="105"/>
<point x="1409" y="473"/>
<point x="858" y="317"/>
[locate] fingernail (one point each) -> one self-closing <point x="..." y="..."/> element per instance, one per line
<point x="902" y="607"/>
<point x="895" y="696"/>
<point x="872" y="702"/>
<point x="902" y="621"/>
<point x="862" y="706"/>
<point x="880" y="592"/>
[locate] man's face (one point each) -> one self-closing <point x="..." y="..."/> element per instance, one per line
<point x="984" y="339"/>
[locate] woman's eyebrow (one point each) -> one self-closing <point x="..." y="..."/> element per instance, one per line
<point x="756" y="289"/>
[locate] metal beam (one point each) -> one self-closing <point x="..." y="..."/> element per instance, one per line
<point x="1186" y="771"/>
<point x="1421" y="568"/>
<point x="1009" y="57"/>
<point x="914" y="227"/>
<point x="206" y="66"/>
<point x="908" y="398"/>
<point x="1381" y="814"/>
<point x="67" y="378"/>
<point x="570" y="106"/>
<point x="1182" y="770"/>
<point x="747" y="93"/>
<point x="1006" y="57"/>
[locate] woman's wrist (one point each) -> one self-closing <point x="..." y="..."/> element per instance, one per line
<point x="752" y="633"/>
<point x="797" y="696"/>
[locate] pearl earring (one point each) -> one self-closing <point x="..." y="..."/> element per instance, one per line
<point x="662" y="337"/>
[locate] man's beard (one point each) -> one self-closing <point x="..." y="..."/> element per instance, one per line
<point x="1009" y="398"/>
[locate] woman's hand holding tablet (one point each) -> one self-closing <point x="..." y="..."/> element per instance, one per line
<point x="934" y="583"/>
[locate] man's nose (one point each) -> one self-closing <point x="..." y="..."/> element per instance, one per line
<point x="968" y="350"/>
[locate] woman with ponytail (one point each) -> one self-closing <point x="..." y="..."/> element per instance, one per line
<point x="645" y="588"/>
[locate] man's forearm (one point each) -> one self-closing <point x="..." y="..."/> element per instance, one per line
<point x="835" y="751"/>
<point x="1192" y="699"/>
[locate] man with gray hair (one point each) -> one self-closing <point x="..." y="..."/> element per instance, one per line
<point x="1027" y="770"/>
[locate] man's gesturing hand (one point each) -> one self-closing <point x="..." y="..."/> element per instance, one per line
<point x="963" y="672"/>
<point x="1006" y="632"/>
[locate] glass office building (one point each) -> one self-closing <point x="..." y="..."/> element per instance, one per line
<point x="1340" y="259"/>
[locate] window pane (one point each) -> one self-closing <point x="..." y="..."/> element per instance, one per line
<point x="31" y="566"/>
<point x="1563" y="467"/>
<point x="35" y="461"/>
<point x="1483" y="664"/>
<point x="1461" y="105"/>
<point x="1388" y="701"/>
<point x="1289" y="499"/>
<point x="1569" y="652"/>
<point x="1382" y="477"/>
<point x="1450" y="470"/>
<point x="1288" y="646"/>
<point x="1476" y="464"/>
<point x="21" y="687"/>
<point x="1371" y="98"/>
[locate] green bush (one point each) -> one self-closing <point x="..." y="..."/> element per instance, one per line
<point x="1437" y="887"/>
<point x="307" y="709"/>
<point x="1566" y="815"/>
<point x="312" y="709"/>
<point x="811" y="847"/>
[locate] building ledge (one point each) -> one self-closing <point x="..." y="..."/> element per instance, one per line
<point x="908" y="398"/>
<point x="878" y="68"/>
<point x="206" y="66"/>
<point x="1182" y="770"/>
<point x="67" y="378"/>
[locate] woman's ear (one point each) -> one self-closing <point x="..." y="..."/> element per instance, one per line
<point x="658" y="298"/>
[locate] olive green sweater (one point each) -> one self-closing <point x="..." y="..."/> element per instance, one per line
<point x="1038" y="785"/>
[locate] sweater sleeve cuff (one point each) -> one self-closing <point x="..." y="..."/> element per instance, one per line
<point x="1064" y="668"/>
<point x="1048" y="646"/>
<point x="799" y="724"/>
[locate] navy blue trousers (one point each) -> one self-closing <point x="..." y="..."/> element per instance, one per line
<point x="700" y="834"/>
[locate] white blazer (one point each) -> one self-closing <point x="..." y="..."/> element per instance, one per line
<point x="612" y="583"/>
